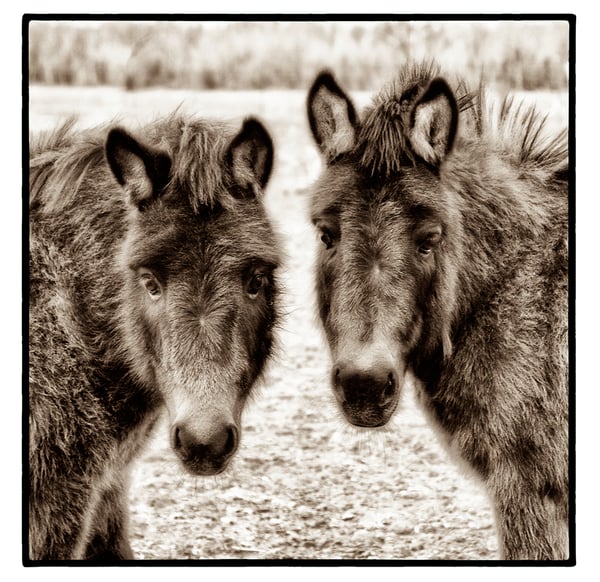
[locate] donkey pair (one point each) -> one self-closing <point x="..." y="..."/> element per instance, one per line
<point x="153" y="285"/>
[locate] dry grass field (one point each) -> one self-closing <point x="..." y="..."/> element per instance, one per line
<point x="304" y="485"/>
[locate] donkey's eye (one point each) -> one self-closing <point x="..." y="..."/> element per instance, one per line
<point x="327" y="238"/>
<point x="429" y="243"/>
<point x="151" y="284"/>
<point x="425" y="249"/>
<point x="258" y="280"/>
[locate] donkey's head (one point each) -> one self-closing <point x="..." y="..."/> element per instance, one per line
<point x="199" y="299"/>
<point x="383" y="286"/>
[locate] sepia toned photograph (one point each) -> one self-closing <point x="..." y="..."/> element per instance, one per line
<point x="298" y="290"/>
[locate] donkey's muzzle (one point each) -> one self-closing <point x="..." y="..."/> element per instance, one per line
<point x="207" y="454"/>
<point x="367" y="397"/>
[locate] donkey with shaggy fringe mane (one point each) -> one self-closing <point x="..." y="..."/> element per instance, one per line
<point x="445" y="222"/>
<point x="152" y="286"/>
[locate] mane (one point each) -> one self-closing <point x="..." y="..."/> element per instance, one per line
<point x="520" y="132"/>
<point x="61" y="159"/>
<point x="197" y="149"/>
<point x="514" y="130"/>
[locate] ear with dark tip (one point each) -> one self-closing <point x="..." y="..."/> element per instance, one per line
<point x="331" y="116"/>
<point x="433" y="123"/>
<point x="141" y="171"/>
<point x="250" y="157"/>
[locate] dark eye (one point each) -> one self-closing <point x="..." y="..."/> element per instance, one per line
<point x="151" y="284"/>
<point x="430" y="242"/>
<point x="257" y="281"/>
<point x="327" y="238"/>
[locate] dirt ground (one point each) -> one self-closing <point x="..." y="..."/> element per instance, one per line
<point x="304" y="484"/>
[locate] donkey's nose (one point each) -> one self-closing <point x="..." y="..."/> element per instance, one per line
<point x="207" y="454"/>
<point x="358" y="387"/>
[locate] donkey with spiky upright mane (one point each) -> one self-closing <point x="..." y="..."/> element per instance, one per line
<point x="152" y="286"/>
<point x="444" y="224"/>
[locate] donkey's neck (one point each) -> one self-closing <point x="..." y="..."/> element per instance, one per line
<point x="504" y="226"/>
<point x="504" y="215"/>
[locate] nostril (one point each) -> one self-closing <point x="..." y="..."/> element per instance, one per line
<point x="337" y="383"/>
<point x="175" y="438"/>
<point x="337" y="375"/>
<point x="390" y="387"/>
<point x="389" y="390"/>
<point x="182" y="441"/>
<point x="231" y="442"/>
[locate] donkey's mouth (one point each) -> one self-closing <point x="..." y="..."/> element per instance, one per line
<point x="366" y="423"/>
<point x="368" y="416"/>
<point x="203" y="467"/>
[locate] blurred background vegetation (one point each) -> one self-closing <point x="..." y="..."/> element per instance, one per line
<point x="528" y="55"/>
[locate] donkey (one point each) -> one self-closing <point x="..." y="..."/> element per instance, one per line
<point x="444" y="224"/>
<point x="152" y="286"/>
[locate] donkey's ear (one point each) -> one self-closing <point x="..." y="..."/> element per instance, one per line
<point x="250" y="157"/>
<point x="141" y="171"/>
<point x="331" y="116"/>
<point x="433" y="122"/>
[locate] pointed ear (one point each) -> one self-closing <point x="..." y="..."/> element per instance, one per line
<point x="433" y="123"/>
<point x="331" y="116"/>
<point x="142" y="172"/>
<point x="250" y="157"/>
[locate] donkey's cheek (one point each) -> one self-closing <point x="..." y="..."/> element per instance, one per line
<point x="159" y="335"/>
<point x="324" y="303"/>
<point x="325" y="283"/>
<point x="260" y="340"/>
<point x="142" y="337"/>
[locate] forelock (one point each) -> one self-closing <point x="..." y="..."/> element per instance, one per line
<point x="197" y="149"/>
<point x="383" y="146"/>
<point x="517" y="130"/>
